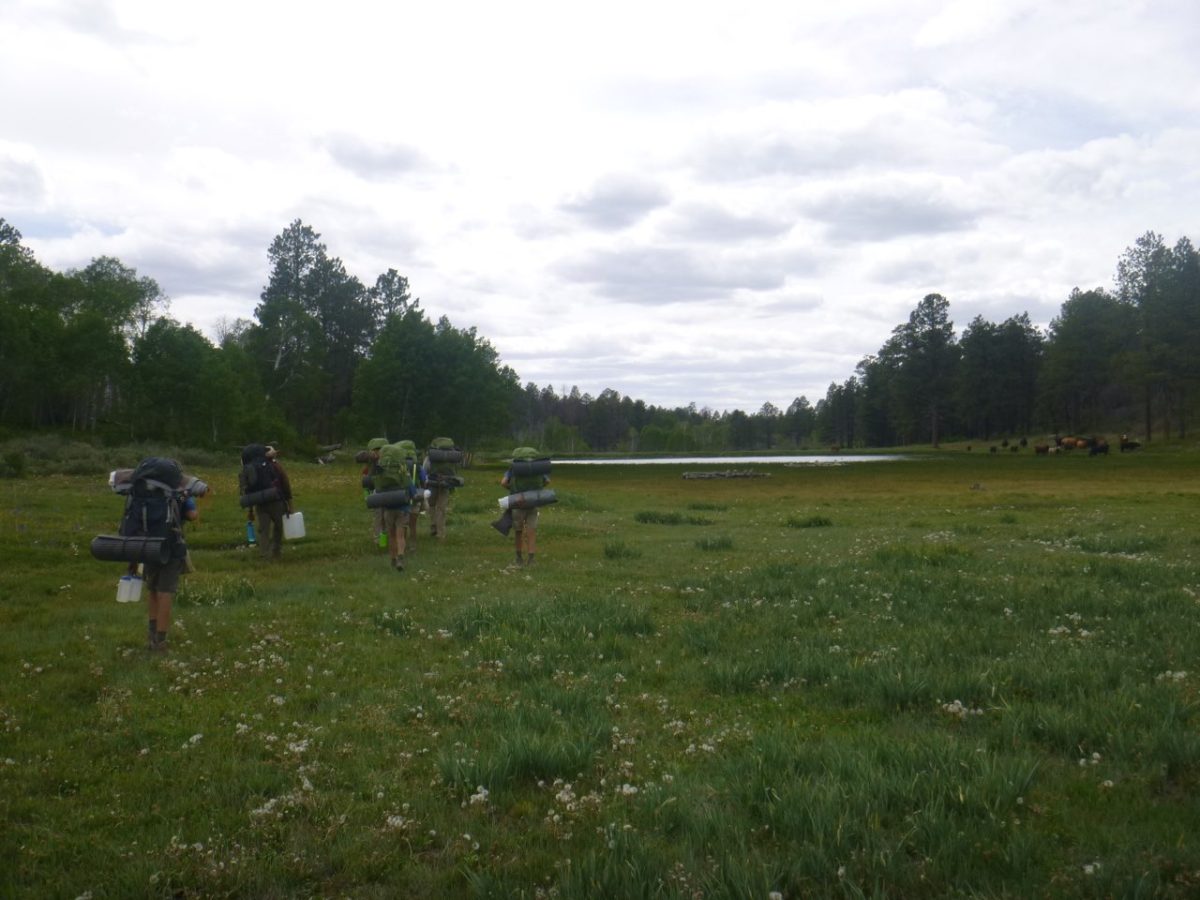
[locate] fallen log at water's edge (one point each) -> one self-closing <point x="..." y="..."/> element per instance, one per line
<point x="744" y="473"/>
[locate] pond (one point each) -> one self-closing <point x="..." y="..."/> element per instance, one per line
<point x="824" y="459"/>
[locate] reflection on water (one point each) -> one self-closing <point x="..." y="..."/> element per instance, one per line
<point x="821" y="460"/>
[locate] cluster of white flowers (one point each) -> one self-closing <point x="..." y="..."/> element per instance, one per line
<point x="1093" y="760"/>
<point x="956" y="708"/>
<point x="192" y="741"/>
<point x="480" y="796"/>
<point x="1170" y="676"/>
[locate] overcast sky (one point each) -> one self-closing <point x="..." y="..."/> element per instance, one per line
<point x="725" y="203"/>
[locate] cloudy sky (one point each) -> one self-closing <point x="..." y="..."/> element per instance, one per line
<point x="719" y="203"/>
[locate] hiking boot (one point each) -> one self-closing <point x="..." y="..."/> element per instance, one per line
<point x="398" y="563"/>
<point x="159" y="644"/>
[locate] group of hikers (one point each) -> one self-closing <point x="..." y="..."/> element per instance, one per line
<point x="160" y="498"/>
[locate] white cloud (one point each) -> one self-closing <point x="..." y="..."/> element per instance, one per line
<point x="749" y="197"/>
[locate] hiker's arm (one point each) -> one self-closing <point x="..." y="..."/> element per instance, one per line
<point x="285" y="485"/>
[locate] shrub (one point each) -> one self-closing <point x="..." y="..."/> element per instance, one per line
<point x="810" y="522"/>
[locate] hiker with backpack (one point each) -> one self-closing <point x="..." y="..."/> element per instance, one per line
<point x="530" y="471"/>
<point x="396" y="484"/>
<point x="159" y="499"/>
<point x="441" y="468"/>
<point x="418" y="475"/>
<point x="370" y="457"/>
<point x="266" y="494"/>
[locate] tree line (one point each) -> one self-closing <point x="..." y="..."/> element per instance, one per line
<point x="327" y="359"/>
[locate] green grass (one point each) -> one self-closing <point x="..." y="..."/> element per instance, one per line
<point x="981" y="682"/>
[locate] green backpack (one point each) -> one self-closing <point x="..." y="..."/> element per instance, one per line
<point x="443" y="456"/>
<point x="395" y="467"/>
<point x="522" y="482"/>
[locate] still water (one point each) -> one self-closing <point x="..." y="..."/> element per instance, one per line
<point x="821" y="460"/>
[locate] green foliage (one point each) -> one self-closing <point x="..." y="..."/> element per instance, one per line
<point x="724" y="542"/>
<point x="653" y="517"/>
<point x="614" y="549"/>
<point x="13" y="465"/>
<point x="815" y="521"/>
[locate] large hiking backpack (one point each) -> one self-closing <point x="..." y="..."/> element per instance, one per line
<point x="529" y="470"/>
<point x="152" y="508"/>
<point x="394" y="477"/>
<point x="444" y="457"/>
<point x="258" y="475"/>
<point x="396" y="467"/>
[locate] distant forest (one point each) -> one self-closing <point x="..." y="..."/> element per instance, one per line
<point x="327" y="359"/>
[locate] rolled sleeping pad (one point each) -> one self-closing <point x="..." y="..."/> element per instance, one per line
<point x="446" y="481"/>
<point x="522" y="468"/>
<point x="194" y="486"/>
<point x="258" y="498"/>
<point x="368" y="482"/>
<point x="362" y="456"/>
<point x="528" y="499"/>
<point x="389" y="500"/>
<point x="121" y="482"/>
<point x="438" y="455"/>
<point x="114" y="548"/>
<point x="504" y="524"/>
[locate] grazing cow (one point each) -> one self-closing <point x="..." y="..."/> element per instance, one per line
<point x="1041" y="449"/>
<point x="1127" y="445"/>
<point x="1099" y="445"/>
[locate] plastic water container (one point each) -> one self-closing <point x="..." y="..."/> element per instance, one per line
<point x="251" y="537"/>
<point x="293" y="526"/>
<point x="129" y="589"/>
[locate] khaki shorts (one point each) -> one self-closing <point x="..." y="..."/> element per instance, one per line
<point x="397" y="518"/>
<point x="525" y="518"/>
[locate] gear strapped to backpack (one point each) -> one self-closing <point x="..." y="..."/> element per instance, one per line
<point x="258" y="476"/>
<point x="395" y="478"/>
<point x="529" y="470"/>
<point x="444" y="459"/>
<point x="151" y="526"/>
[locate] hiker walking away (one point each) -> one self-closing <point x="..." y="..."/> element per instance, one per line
<point x="158" y="500"/>
<point x="370" y="457"/>
<point x="394" y="491"/>
<point x="524" y="520"/>
<point x="417" y="476"/>
<point x="266" y="494"/>
<point x="441" y="470"/>
<point x="158" y="506"/>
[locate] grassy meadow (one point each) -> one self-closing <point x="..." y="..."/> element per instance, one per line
<point x="961" y="674"/>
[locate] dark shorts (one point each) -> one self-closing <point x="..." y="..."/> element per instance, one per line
<point x="164" y="578"/>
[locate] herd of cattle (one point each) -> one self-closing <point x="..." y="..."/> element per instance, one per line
<point x="1093" y="445"/>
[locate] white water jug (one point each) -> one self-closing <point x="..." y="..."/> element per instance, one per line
<point x="129" y="589"/>
<point x="293" y="526"/>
